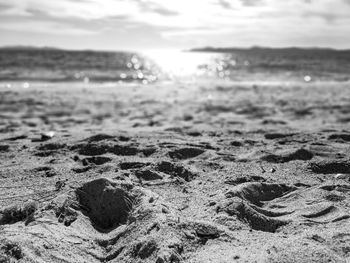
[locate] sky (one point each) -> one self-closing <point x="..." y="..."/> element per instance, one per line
<point x="174" y="24"/>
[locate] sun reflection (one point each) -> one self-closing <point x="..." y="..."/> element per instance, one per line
<point x="179" y="63"/>
<point x="26" y="85"/>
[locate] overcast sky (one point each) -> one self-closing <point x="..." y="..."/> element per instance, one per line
<point x="151" y="24"/>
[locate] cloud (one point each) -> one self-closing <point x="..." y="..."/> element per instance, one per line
<point x="329" y="17"/>
<point x="225" y="4"/>
<point x="51" y="28"/>
<point x="164" y="11"/>
<point x="195" y="32"/>
<point x="4" y="6"/>
<point x="214" y="20"/>
<point x="88" y="9"/>
<point x="154" y="7"/>
<point x="8" y="9"/>
<point x="251" y="2"/>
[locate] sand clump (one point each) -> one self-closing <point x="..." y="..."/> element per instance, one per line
<point x="330" y="166"/>
<point x="105" y="204"/>
<point x="18" y="212"/>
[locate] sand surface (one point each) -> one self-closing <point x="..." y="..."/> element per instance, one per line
<point x="206" y="172"/>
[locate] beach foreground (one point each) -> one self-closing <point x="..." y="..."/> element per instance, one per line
<point x="211" y="172"/>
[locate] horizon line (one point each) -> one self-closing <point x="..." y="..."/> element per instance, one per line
<point x="193" y="49"/>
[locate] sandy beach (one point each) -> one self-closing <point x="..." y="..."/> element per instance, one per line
<point x="175" y="172"/>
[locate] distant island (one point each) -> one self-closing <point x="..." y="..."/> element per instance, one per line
<point x="21" y="47"/>
<point x="266" y="49"/>
<point x="58" y="49"/>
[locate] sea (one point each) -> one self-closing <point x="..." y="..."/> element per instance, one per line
<point x="228" y="64"/>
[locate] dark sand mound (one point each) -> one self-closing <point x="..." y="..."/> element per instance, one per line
<point x="51" y="146"/>
<point x="15" y="213"/>
<point x="340" y="137"/>
<point x="97" y="160"/>
<point x="148" y="175"/>
<point x="330" y="167"/>
<point x="176" y="170"/>
<point x="10" y="252"/>
<point x="300" y="154"/>
<point x="185" y="153"/>
<point x="256" y="193"/>
<point x="99" y="148"/>
<point x="4" y="147"/>
<point x="272" y="136"/>
<point x="124" y="150"/>
<point x="106" y="204"/>
<point x="91" y="149"/>
<point x="245" y="179"/>
<point x="15" y="138"/>
<point x="132" y="165"/>
<point x="99" y="137"/>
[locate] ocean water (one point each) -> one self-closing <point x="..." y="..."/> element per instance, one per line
<point x="257" y="64"/>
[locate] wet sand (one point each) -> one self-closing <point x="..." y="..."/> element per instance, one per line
<point x="207" y="172"/>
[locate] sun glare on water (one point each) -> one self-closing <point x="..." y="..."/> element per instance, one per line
<point x="180" y="63"/>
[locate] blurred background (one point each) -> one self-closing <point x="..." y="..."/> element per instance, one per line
<point x="146" y="41"/>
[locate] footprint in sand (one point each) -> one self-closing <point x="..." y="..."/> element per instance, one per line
<point x="340" y="137"/>
<point x="49" y="149"/>
<point x="267" y="207"/>
<point x="95" y="160"/>
<point x="330" y="167"/>
<point x="176" y="170"/>
<point x="288" y="156"/>
<point x="101" y="147"/>
<point x="132" y="165"/>
<point x="273" y="136"/>
<point x="185" y="153"/>
<point x="4" y="148"/>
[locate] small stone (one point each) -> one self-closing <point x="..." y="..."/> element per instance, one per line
<point x="47" y="135"/>
<point x="236" y="143"/>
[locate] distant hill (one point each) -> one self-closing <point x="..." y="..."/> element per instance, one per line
<point x="19" y="47"/>
<point x="266" y="50"/>
<point x="44" y="48"/>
